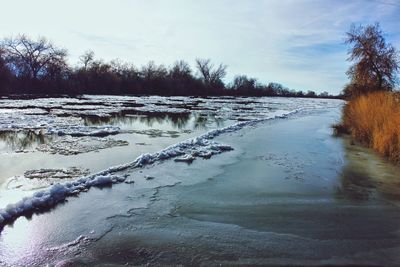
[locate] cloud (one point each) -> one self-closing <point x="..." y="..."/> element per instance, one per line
<point x="298" y="43"/>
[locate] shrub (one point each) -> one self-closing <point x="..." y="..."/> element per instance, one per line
<point x="374" y="120"/>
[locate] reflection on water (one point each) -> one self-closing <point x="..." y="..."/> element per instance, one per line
<point x="29" y="140"/>
<point x="177" y="120"/>
<point x="367" y="176"/>
<point x="18" y="141"/>
<point x="32" y="150"/>
<point x="148" y="120"/>
<point x="355" y="184"/>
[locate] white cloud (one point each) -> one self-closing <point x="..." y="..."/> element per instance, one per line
<point x="295" y="42"/>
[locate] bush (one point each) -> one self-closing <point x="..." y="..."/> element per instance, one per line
<point x="374" y="120"/>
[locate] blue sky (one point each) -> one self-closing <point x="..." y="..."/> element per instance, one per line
<point x="298" y="43"/>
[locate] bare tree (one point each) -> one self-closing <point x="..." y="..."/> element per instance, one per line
<point x="242" y="82"/>
<point x="152" y="71"/>
<point x="124" y="69"/>
<point x="32" y="58"/>
<point x="180" y="69"/>
<point x="86" y="59"/>
<point x="4" y="74"/>
<point x="375" y="61"/>
<point x="209" y="73"/>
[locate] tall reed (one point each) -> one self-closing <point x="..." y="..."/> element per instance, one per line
<point x="374" y="120"/>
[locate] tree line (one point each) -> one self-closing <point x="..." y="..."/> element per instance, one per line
<point x="37" y="66"/>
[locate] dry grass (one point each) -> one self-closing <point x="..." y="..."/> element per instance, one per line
<point x="374" y="120"/>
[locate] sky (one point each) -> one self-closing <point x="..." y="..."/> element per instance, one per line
<point x="299" y="43"/>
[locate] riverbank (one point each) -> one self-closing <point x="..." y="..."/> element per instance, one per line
<point x="374" y="121"/>
<point x="284" y="195"/>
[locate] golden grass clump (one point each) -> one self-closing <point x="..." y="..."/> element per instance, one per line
<point x="374" y="120"/>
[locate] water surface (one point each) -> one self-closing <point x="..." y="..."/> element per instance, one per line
<point x="289" y="193"/>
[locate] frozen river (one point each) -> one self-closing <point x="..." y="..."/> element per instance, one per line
<point x="192" y="181"/>
<point x="48" y="140"/>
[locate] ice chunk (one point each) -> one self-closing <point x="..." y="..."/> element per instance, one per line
<point x="50" y="124"/>
<point x="68" y="145"/>
<point x="34" y="179"/>
<point x="186" y="158"/>
<point x="54" y="195"/>
<point x="84" y="130"/>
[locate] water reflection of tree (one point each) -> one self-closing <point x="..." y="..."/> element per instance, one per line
<point x="366" y="176"/>
<point x="22" y="140"/>
<point x="355" y="184"/>
<point x="176" y="120"/>
<point x="202" y="121"/>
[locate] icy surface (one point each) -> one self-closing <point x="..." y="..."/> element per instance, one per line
<point x="64" y="115"/>
<point x="240" y="208"/>
<point x="42" y="178"/>
<point x="79" y="240"/>
<point x="71" y="146"/>
<point x="67" y="120"/>
<point x="55" y="173"/>
<point x="55" y="194"/>
<point x="202" y="146"/>
<point x="51" y="124"/>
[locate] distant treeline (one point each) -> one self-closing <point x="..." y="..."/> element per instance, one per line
<point x="30" y="66"/>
